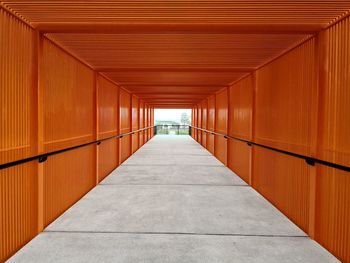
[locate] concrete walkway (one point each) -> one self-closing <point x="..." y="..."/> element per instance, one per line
<point x="172" y="201"/>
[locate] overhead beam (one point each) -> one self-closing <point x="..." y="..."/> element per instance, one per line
<point x="176" y="28"/>
<point x="175" y="68"/>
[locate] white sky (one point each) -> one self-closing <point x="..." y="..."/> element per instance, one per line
<point x="170" y="114"/>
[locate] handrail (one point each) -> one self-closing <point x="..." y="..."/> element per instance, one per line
<point x="308" y="159"/>
<point x="43" y="157"/>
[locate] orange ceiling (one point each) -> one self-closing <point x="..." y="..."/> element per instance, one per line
<point x="175" y="53"/>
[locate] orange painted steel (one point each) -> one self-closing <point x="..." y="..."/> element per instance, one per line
<point x="285" y="182"/>
<point x="211" y="124"/>
<point x="18" y="136"/>
<point x="68" y="177"/>
<point x="335" y="96"/>
<point x="241" y="108"/>
<point x="66" y="92"/>
<point x="125" y="124"/>
<point x="221" y="122"/>
<point x="66" y="87"/>
<point x="108" y="115"/>
<point x="199" y="123"/>
<point x="241" y="97"/>
<point x="135" y="122"/>
<point x="204" y="121"/>
<point x="332" y="190"/>
<point x="286" y="96"/>
<point x="141" y="122"/>
<point x="274" y="72"/>
<point x="333" y="212"/>
<point x="19" y="207"/>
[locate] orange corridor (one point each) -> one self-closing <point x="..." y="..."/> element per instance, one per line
<point x="268" y="83"/>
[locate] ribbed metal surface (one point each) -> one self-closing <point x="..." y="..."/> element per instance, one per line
<point x="333" y="212"/>
<point x="18" y="185"/>
<point x="241" y="108"/>
<point x="221" y="122"/>
<point x="286" y="96"/>
<point x="19" y="207"/>
<point x="68" y="177"/>
<point x="285" y="182"/>
<point x="135" y="122"/>
<point x="67" y="90"/>
<point x="17" y="86"/>
<point x="107" y="105"/>
<point x="204" y="121"/>
<point x="125" y="124"/>
<point x="335" y="128"/>
<point x="333" y="195"/>
<point x="306" y="13"/>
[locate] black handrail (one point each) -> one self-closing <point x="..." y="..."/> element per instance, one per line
<point x="308" y="159"/>
<point x="43" y="157"/>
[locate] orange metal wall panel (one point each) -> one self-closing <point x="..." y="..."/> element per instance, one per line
<point x="145" y="133"/>
<point x="107" y="158"/>
<point x="108" y="99"/>
<point x="332" y="191"/>
<point x="68" y="177"/>
<point x="221" y="111"/>
<point x="241" y="108"/>
<point x="239" y="159"/>
<point x="204" y="121"/>
<point x="135" y="122"/>
<point x="125" y="124"/>
<point x="240" y="126"/>
<point x="17" y="89"/>
<point x="211" y="124"/>
<point x="141" y="122"/>
<point x="199" y="117"/>
<point x="19" y="207"/>
<point x="221" y="120"/>
<point x="152" y="122"/>
<point x="18" y="129"/>
<point x="333" y="211"/>
<point x="67" y="90"/>
<point x="335" y="95"/>
<point x="211" y="113"/>
<point x="284" y="181"/>
<point x="195" y="122"/>
<point x="286" y="96"/>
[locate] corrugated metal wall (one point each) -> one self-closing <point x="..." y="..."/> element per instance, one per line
<point x="108" y="115"/>
<point x="204" y="121"/>
<point x="18" y="185"/>
<point x="125" y="124"/>
<point x="51" y="101"/>
<point x="66" y="102"/>
<point x="332" y="191"/>
<point x="221" y="120"/>
<point x="135" y="122"/>
<point x="299" y="103"/>
<point x="240" y="125"/>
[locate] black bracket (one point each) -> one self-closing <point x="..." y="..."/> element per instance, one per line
<point x="226" y="137"/>
<point x="310" y="161"/>
<point x="98" y="143"/>
<point x="249" y="144"/>
<point x="42" y="159"/>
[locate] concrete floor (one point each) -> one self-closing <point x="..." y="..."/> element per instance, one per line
<point x="172" y="201"/>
